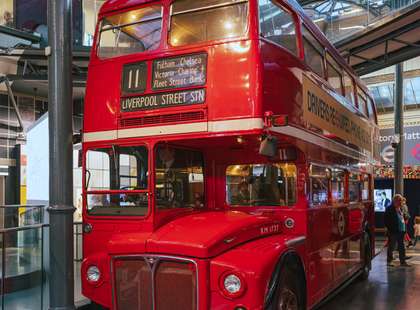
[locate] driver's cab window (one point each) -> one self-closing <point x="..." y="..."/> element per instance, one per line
<point x="117" y="168"/>
<point x="97" y="169"/>
<point x="116" y="180"/>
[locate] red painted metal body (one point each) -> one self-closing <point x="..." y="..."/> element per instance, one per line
<point x="246" y="78"/>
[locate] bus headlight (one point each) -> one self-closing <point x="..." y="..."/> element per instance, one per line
<point x="232" y="284"/>
<point x="93" y="274"/>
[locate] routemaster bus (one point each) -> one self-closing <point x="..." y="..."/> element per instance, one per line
<point x="227" y="156"/>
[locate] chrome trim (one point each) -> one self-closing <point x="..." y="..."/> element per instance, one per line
<point x="295" y="241"/>
<point x="158" y="258"/>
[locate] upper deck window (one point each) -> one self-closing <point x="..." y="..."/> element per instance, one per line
<point x="130" y="32"/>
<point x="371" y="111"/>
<point x="334" y="75"/>
<point x="313" y="52"/>
<point x="200" y="21"/>
<point x="261" y="185"/>
<point x="348" y="87"/>
<point x="362" y="101"/>
<point x="277" y="25"/>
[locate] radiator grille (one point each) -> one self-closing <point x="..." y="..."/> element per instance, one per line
<point x="147" y="283"/>
<point x="163" y="119"/>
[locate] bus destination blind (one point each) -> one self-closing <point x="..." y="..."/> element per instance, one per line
<point x="163" y="100"/>
<point x="177" y="72"/>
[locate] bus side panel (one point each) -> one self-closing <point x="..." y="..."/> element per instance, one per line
<point x="232" y="81"/>
<point x="102" y="97"/>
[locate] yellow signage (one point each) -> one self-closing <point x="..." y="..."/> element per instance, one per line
<point x="322" y="110"/>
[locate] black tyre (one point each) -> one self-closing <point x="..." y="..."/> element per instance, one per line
<point x="367" y="258"/>
<point x="289" y="295"/>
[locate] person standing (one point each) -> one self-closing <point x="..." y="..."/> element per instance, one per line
<point x="407" y="216"/>
<point x="8" y="19"/>
<point x="396" y="228"/>
<point x="416" y="230"/>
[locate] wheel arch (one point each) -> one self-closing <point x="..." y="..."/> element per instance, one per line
<point x="289" y="259"/>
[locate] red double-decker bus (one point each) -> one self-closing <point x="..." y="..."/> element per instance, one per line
<point x="228" y="154"/>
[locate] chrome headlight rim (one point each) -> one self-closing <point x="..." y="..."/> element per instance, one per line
<point x="232" y="276"/>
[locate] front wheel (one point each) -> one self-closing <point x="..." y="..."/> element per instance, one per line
<point x="288" y="296"/>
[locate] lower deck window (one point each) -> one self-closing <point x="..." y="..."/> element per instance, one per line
<point x="337" y="185"/>
<point x="319" y="183"/>
<point x="261" y="185"/>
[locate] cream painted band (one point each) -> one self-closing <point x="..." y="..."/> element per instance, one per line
<point x="100" y="135"/>
<point x="236" y="124"/>
<point x="162" y="130"/>
<point x="216" y="126"/>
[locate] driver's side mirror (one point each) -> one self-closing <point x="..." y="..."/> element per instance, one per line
<point x="268" y="146"/>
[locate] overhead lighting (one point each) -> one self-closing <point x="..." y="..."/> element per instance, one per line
<point x="228" y="25"/>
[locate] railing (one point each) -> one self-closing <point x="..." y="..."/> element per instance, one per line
<point x="24" y="256"/>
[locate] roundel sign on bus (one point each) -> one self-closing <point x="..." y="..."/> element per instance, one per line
<point x="341" y="224"/>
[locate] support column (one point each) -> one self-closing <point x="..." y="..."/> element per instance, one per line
<point x="399" y="130"/>
<point x="60" y="112"/>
